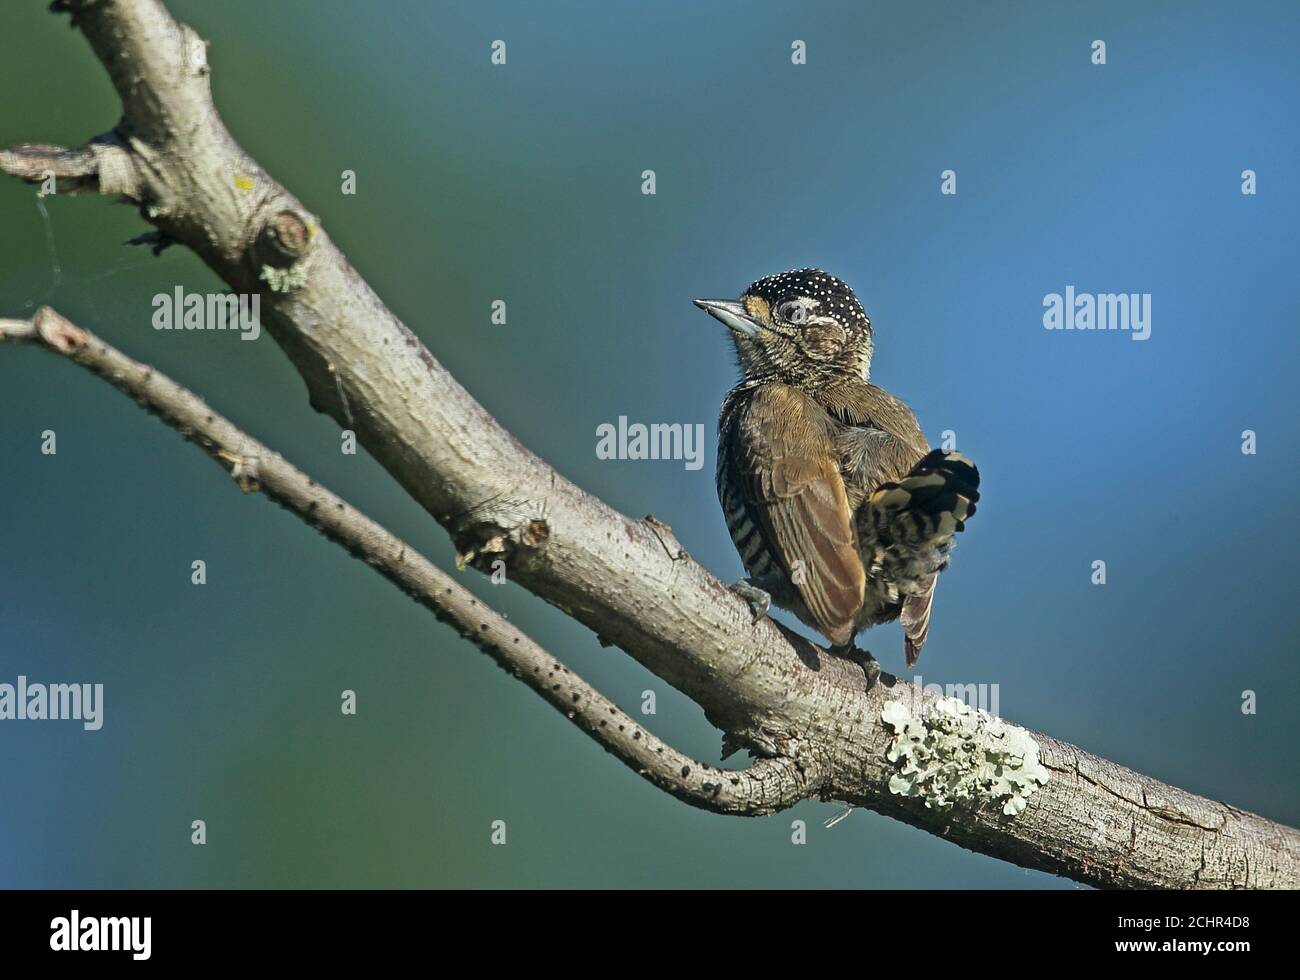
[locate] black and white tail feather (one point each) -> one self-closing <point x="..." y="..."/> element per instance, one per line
<point x="909" y="533"/>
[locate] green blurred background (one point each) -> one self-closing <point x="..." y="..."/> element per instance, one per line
<point x="522" y="182"/>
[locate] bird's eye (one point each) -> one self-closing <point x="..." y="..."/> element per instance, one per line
<point x="793" y="312"/>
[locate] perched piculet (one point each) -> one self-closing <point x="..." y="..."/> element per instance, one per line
<point x="840" y="511"/>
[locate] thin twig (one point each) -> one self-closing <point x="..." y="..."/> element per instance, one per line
<point x="765" y="787"/>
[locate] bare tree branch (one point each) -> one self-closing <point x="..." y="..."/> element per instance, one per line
<point x="629" y="580"/>
<point x="73" y="170"/>
<point x="765" y="787"/>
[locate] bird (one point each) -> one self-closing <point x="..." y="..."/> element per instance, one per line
<point x="839" y="509"/>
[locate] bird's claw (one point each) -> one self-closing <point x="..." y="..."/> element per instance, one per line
<point x="759" y="601"/>
<point x="863" y="658"/>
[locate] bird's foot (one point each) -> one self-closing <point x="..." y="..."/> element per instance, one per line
<point x="863" y="658"/>
<point x="759" y="601"/>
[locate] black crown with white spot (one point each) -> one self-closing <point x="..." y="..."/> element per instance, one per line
<point x="834" y="295"/>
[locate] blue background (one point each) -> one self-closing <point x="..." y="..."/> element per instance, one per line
<point x="522" y="182"/>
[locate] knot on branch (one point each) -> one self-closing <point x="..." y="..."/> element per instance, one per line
<point x="483" y="543"/>
<point x="536" y="532"/>
<point x="57" y="332"/>
<point x="281" y="249"/>
<point x="284" y="239"/>
<point x="115" y="167"/>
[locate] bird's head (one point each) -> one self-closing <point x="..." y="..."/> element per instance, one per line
<point x="801" y="328"/>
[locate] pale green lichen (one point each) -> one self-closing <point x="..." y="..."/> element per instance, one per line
<point x="284" y="280"/>
<point x="958" y="755"/>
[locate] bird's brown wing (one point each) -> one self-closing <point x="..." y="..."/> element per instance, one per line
<point x="881" y="444"/>
<point x="880" y="440"/>
<point x="791" y="482"/>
